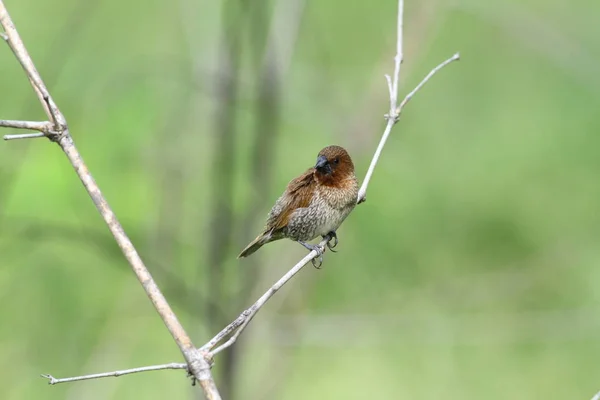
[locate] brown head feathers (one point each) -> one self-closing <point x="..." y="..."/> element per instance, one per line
<point x="334" y="166"/>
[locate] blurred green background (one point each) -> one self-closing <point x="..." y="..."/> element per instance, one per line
<point x="471" y="272"/>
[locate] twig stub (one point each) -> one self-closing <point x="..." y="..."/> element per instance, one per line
<point x="114" y="374"/>
<point x="23" y="136"/>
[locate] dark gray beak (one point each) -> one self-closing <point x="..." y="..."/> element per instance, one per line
<point x="323" y="165"/>
<point x="321" y="162"/>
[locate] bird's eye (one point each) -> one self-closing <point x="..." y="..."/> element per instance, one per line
<point x="336" y="160"/>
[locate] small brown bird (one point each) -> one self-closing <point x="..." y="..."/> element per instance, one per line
<point x="314" y="204"/>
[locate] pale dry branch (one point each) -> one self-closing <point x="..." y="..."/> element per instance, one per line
<point x="114" y="374"/>
<point x="42" y="126"/>
<point x="240" y="323"/>
<point x="395" y="110"/>
<point x="197" y="362"/>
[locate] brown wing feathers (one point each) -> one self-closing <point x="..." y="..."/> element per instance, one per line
<point x="297" y="195"/>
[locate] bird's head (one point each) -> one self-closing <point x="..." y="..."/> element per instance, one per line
<point x="333" y="166"/>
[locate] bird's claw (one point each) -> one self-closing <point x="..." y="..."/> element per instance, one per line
<point x="331" y="236"/>
<point x="314" y="263"/>
<point x="318" y="249"/>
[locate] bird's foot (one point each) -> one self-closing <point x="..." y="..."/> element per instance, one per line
<point x="331" y="236"/>
<point x="314" y="247"/>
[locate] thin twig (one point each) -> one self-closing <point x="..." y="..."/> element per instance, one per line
<point x="42" y="126"/>
<point x="114" y="374"/>
<point x="399" y="56"/>
<point x="392" y="119"/>
<point x="197" y="362"/>
<point x="242" y="321"/>
<point x="23" y="136"/>
<point x="431" y="73"/>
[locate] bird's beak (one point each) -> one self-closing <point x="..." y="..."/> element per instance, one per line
<point x="322" y="164"/>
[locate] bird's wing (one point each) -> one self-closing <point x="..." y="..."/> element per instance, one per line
<point x="298" y="194"/>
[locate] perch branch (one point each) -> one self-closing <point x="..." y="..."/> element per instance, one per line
<point x="197" y="362"/>
<point x="240" y="323"/>
<point x="114" y="374"/>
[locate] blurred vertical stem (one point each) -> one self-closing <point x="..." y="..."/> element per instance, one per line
<point x="273" y="63"/>
<point x="266" y="123"/>
<point x="273" y="34"/>
<point x="169" y="165"/>
<point x="221" y="220"/>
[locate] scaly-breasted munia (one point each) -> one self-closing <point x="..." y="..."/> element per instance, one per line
<point x="314" y="204"/>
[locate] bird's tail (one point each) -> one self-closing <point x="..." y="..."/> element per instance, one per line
<point x="257" y="243"/>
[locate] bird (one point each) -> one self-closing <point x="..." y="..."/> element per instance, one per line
<point x="313" y="204"/>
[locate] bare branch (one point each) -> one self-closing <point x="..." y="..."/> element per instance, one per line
<point x="114" y="374"/>
<point x="197" y="361"/>
<point x="16" y="45"/>
<point x="42" y="126"/>
<point x="394" y="114"/>
<point x="242" y="321"/>
<point x="23" y="136"/>
<point x="393" y="91"/>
